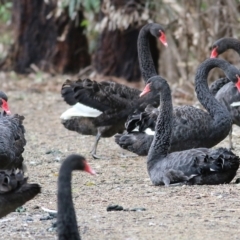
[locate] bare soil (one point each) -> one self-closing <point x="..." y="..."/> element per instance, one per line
<point x="188" y="212"/>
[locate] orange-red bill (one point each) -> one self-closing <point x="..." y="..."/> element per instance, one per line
<point x="145" y="90"/>
<point x="89" y="169"/>
<point x="214" y="53"/>
<point x="163" y="39"/>
<point x="5" y="107"/>
<point x="238" y="83"/>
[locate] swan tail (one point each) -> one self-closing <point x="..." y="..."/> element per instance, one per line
<point x="92" y="94"/>
<point x="138" y="143"/>
<point x="84" y="91"/>
<point x="80" y="110"/>
<point x="218" y="167"/>
<point x="224" y="160"/>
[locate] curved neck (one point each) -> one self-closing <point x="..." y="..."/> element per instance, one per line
<point x="215" y="109"/>
<point x="231" y="43"/>
<point x="163" y="130"/>
<point x="66" y="217"/>
<point x="144" y="54"/>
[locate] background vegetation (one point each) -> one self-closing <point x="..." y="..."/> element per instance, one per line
<point x="191" y="26"/>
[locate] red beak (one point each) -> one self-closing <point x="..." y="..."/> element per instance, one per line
<point x="5" y="107"/>
<point x="145" y="90"/>
<point x="214" y="53"/>
<point x="89" y="169"/>
<point x="238" y="83"/>
<point x="162" y="38"/>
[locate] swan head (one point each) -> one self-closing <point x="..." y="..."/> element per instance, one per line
<point x="158" y="31"/>
<point x="222" y="45"/>
<point x="88" y="169"/>
<point x="155" y="83"/>
<point x="233" y="74"/>
<point x="3" y="102"/>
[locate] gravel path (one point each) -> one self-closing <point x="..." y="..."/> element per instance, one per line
<point x="199" y="212"/>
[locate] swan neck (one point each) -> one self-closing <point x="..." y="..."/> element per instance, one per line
<point x="144" y="54"/>
<point x="232" y="43"/>
<point x="163" y="130"/>
<point x="204" y="95"/>
<point x="66" y="217"/>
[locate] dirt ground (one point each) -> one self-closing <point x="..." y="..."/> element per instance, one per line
<point x="198" y="212"/>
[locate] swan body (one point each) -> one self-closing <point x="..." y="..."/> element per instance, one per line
<point x="192" y="127"/>
<point x="196" y="167"/>
<point x="14" y="188"/>
<point x="112" y="101"/>
<point x="193" y="166"/>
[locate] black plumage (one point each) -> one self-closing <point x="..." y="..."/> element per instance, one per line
<point x="194" y="166"/>
<point x="14" y="188"/>
<point x="12" y="141"/>
<point x="113" y="101"/>
<point x="192" y="127"/>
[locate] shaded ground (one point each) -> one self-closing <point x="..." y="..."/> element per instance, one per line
<point x="199" y="212"/>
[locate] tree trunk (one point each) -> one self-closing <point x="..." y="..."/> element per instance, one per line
<point x="50" y="42"/>
<point x="116" y="53"/>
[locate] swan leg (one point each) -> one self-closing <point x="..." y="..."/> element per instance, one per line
<point x="166" y="181"/>
<point x="123" y="155"/>
<point x="230" y="140"/>
<point x="175" y="176"/>
<point x="178" y="184"/>
<point x="94" y="150"/>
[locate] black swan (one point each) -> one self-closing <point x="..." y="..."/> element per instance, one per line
<point x="192" y="127"/>
<point x="195" y="166"/>
<point x="3" y="103"/>
<point x="14" y="188"/>
<point x="66" y="218"/>
<point x="225" y="91"/>
<point x="101" y="109"/>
